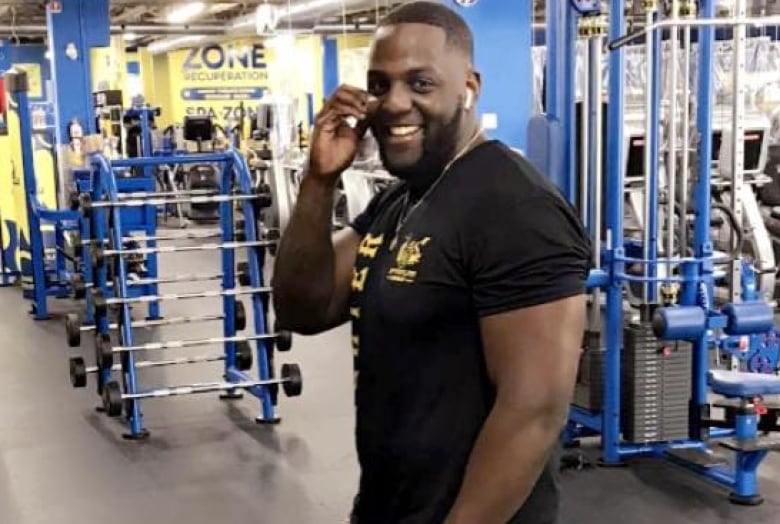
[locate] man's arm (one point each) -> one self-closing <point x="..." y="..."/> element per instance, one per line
<point x="532" y="356"/>
<point x="313" y="268"/>
<point x="313" y="271"/>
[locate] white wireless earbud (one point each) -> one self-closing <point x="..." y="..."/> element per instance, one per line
<point x="469" y="99"/>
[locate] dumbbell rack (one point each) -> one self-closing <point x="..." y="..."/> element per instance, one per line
<point x="92" y="229"/>
<point x="235" y="188"/>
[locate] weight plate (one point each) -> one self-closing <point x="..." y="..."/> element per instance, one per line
<point x="243" y="274"/>
<point x="99" y="301"/>
<point x="239" y="317"/>
<point x="112" y="399"/>
<point x="74" y="201"/>
<point x="73" y="329"/>
<point x="293" y="381"/>
<point x="79" y="287"/>
<point x="85" y="203"/>
<point x="283" y="340"/>
<point x="78" y="372"/>
<point x="244" y="359"/>
<point x="100" y="384"/>
<point x="96" y="254"/>
<point x="103" y="351"/>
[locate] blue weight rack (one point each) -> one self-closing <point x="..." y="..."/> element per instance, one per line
<point x="135" y="220"/>
<point x="106" y="206"/>
<point x="750" y="428"/>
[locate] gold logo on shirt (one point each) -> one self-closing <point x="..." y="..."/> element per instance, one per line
<point x="359" y="279"/>
<point x="370" y="245"/>
<point x="408" y="257"/>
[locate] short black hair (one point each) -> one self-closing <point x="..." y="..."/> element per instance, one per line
<point x="438" y="15"/>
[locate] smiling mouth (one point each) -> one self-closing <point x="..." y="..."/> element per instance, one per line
<point x="402" y="135"/>
<point x="403" y="131"/>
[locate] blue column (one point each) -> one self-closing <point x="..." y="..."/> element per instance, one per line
<point x="502" y="37"/>
<point x="330" y="66"/>
<point x="82" y="24"/>
<point x="5" y="56"/>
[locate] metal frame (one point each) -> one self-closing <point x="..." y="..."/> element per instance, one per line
<point x="37" y="214"/>
<point x="696" y="277"/>
<point x="234" y="171"/>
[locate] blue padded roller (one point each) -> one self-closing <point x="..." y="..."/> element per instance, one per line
<point x="748" y="317"/>
<point x="679" y="323"/>
<point x="743" y="384"/>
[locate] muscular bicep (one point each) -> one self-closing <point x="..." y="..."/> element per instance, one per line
<point x="532" y="354"/>
<point x="345" y="246"/>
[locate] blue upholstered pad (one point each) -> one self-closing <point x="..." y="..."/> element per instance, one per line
<point x="742" y="384"/>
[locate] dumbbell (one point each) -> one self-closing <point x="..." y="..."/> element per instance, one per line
<point x="273" y="236"/>
<point x="73" y="200"/>
<point x="104" y="356"/>
<point x="113" y="398"/>
<point x="240" y="230"/>
<point x="243" y="274"/>
<point x="98" y="253"/>
<point x="74" y="326"/>
<point x="264" y="199"/>
<point x="101" y="303"/>
<point x="79" y="286"/>
<point x="283" y="338"/>
<point x="85" y="203"/>
<point x="79" y="370"/>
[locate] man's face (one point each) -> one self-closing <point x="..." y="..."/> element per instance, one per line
<point x="420" y="83"/>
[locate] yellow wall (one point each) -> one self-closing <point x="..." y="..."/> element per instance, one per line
<point x="214" y="79"/>
<point x="7" y="200"/>
<point x="353" y="41"/>
<point x="109" y="67"/>
<point x="185" y="82"/>
<point x="353" y="53"/>
<point x="296" y="71"/>
<point x="196" y="80"/>
<point x="146" y="62"/>
<point x="162" y="92"/>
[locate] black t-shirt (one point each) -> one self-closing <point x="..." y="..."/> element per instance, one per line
<point x="492" y="236"/>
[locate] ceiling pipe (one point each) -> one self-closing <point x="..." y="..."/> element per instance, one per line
<point x="151" y="30"/>
<point x="246" y="23"/>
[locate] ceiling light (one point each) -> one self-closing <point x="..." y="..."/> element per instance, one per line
<point x="185" y="12"/>
<point x="130" y="36"/>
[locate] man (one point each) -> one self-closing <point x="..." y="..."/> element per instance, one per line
<point x="464" y="283"/>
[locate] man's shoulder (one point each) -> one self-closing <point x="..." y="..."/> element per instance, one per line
<point x="498" y="173"/>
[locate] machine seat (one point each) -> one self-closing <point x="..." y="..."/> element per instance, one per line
<point x="743" y="384"/>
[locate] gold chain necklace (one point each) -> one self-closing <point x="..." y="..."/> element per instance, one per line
<point x="404" y="216"/>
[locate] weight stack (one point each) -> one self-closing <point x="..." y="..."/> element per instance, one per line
<point x="656" y="386"/>
<point x="589" y="389"/>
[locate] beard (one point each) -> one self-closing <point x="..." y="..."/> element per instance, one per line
<point x="438" y="148"/>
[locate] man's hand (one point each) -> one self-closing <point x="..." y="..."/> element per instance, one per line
<point x="334" y="143"/>
<point x="532" y="355"/>
<point x="313" y="270"/>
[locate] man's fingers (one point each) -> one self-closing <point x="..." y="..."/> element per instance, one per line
<point x="337" y="114"/>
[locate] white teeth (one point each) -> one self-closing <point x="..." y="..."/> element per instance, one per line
<point x="403" y="130"/>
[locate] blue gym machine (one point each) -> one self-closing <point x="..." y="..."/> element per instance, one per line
<point x="42" y="276"/>
<point x="107" y="208"/>
<point x="631" y="359"/>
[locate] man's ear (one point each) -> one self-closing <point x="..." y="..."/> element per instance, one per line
<point x="473" y="87"/>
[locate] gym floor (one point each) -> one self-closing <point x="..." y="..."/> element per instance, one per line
<point x="207" y="461"/>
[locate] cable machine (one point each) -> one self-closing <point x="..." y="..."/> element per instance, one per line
<point x="651" y="382"/>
